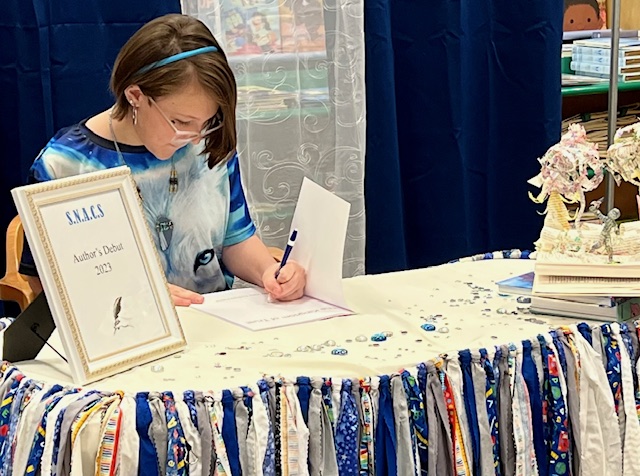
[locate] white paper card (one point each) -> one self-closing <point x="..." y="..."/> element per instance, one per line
<point x="321" y="219"/>
<point x="249" y="308"/>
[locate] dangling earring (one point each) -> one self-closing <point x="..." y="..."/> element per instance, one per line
<point x="135" y="116"/>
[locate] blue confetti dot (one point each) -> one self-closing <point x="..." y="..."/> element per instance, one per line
<point x="428" y="327"/>
<point x="379" y="337"/>
<point x="339" y="351"/>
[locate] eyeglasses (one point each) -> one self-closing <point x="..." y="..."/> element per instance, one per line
<point x="182" y="138"/>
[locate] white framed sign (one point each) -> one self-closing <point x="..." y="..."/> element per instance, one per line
<point x="100" y="272"/>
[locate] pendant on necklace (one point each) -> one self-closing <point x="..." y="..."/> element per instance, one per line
<point x="164" y="227"/>
<point x="173" y="181"/>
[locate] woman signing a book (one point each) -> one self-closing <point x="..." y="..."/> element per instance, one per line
<point x="173" y="124"/>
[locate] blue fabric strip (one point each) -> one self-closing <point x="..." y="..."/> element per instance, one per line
<point x="385" y="443"/>
<point x="470" y="407"/>
<point x="230" y="434"/>
<point x="147" y="456"/>
<point x="304" y="394"/>
<point x="530" y="374"/>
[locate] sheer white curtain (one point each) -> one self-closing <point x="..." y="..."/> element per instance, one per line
<point x="299" y="65"/>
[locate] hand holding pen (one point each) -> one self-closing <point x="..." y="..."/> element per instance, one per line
<point x="285" y="281"/>
<point x="287" y="251"/>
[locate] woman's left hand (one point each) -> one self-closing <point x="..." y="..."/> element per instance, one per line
<point x="290" y="282"/>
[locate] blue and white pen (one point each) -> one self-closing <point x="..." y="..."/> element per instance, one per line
<point x="287" y="250"/>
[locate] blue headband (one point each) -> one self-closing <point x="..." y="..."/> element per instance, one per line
<point x="177" y="57"/>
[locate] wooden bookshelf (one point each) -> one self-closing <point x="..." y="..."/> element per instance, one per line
<point x="629" y="14"/>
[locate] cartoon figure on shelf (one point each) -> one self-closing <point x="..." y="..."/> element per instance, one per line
<point x="624" y="156"/>
<point x="582" y="15"/>
<point x="609" y="226"/>
<point x="261" y="32"/>
<point x="569" y="169"/>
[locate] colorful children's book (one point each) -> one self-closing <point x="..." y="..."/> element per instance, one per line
<point x="302" y="25"/>
<point x="251" y="27"/>
<point x="521" y="285"/>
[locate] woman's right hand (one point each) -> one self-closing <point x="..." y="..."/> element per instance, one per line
<point x="184" y="297"/>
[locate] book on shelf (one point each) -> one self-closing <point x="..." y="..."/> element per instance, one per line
<point x="614" y="309"/>
<point x="621" y="77"/>
<point x="577" y="80"/>
<point x="582" y="55"/>
<point x="251" y="27"/>
<point x="603" y="68"/>
<point x="302" y="25"/>
<point x="626" y="45"/>
<point x="256" y="27"/>
<point x="603" y="33"/>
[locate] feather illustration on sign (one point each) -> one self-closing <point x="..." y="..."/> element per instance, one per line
<point x="117" y="320"/>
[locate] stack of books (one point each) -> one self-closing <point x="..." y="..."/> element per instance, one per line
<point x="608" y="308"/>
<point x="592" y="57"/>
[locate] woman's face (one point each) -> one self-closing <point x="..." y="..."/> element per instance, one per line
<point x="168" y="123"/>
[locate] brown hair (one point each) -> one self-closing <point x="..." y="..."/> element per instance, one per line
<point x="166" y="36"/>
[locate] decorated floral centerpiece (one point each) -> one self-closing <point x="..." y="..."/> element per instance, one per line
<point x="569" y="170"/>
<point x="623" y="156"/>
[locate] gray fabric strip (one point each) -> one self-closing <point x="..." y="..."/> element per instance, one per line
<point x="63" y="465"/>
<point x="204" y="428"/>
<point x="573" y="404"/>
<point x="505" y="418"/>
<point x="479" y="377"/>
<point x="440" y="447"/>
<point x="242" y="427"/>
<point x="329" y="457"/>
<point x="314" y="423"/>
<point x="158" y="430"/>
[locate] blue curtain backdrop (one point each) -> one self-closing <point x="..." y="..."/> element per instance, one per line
<point x="462" y="97"/>
<point x="55" y="63"/>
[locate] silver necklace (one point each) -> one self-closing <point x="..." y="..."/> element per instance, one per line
<point x="164" y="225"/>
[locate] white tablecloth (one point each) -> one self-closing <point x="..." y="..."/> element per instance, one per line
<point x="461" y="296"/>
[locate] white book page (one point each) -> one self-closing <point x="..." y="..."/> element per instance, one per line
<point x="249" y="308"/>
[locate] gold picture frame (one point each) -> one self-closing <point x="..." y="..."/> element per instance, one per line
<point x="100" y="271"/>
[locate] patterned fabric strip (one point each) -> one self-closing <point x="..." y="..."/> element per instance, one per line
<point x="22" y="393"/>
<point x="269" y="463"/>
<point x="346" y="437"/>
<point x="559" y="441"/>
<point x="107" y="458"/>
<point x="282" y="413"/>
<point x="366" y="439"/>
<point x="189" y="398"/>
<point x="612" y="351"/>
<point x="37" y="447"/>
<point x="460" y="462"/>
<point x="328" y="402"/>
<point x="422" y="388"/>
<point x="491" y="392"/>
<point x="176" y="441"/>
<point x="5" y="413"/>
<point x="221" y="465"/>
<point x="419" y="429"/>
<point x="294" y="451"/>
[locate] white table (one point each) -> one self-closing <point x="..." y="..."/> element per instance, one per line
<point x="222" y="355"/>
